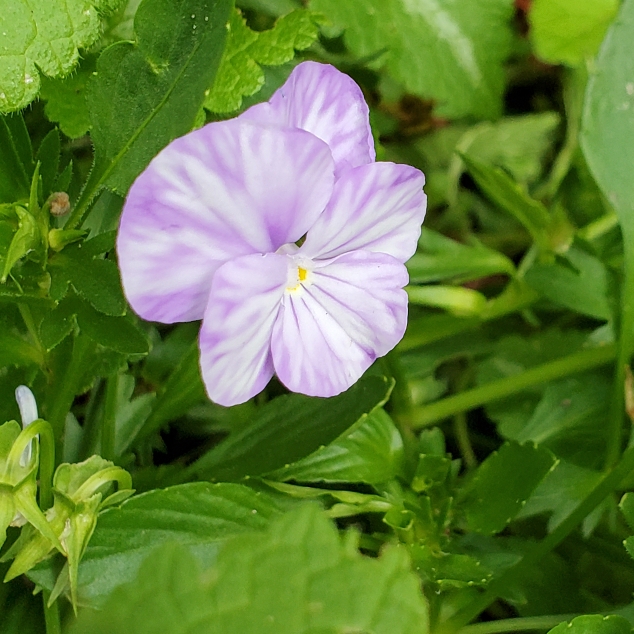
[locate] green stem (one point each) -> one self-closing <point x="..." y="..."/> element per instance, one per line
<point x="518" y="625"/>
<point x="51" y="615"/>
<point x="605" y="487"/>
<point x="461" y="430"/>
<point x="495" y="390"/>
<point x="108" y="423"/>
<point x="47" y="466"/>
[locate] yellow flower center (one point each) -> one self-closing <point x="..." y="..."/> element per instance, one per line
<point x="302" y="275"/>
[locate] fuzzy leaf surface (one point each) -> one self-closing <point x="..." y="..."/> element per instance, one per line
<point x="43" y="36"/>
<point x="296" y="578"/>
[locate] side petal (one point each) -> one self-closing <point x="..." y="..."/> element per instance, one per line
<point x="235" y="337"/>
<point x="352" y="310"/>
<point x="319" y="98"/>
<point x="378" y="207"/>
<point x="228" y="189"/>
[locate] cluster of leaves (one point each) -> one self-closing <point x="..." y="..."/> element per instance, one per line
<point x="474" y="471"/>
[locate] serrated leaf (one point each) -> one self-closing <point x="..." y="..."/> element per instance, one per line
<point x="450" y="52"/>
<point x="583" y="286"/>
<point x="503" y="483"/>
<point x="371" y="451"/>
<point x="116" y="333"/>
<point x="329" y="587"/>
<point x="290" y="428"/>
<point x="239" y="74"/>
<point x="144" y="95"/>
<point x="57" y="324"/>
<point x="96" y="280"/>
<point x="560" y="492"/>
<point x="39" y="35"/>
<point x="66" y="101"/>
<point x="594" y="624"/>
<point x="440" y="258"/>
<point x="566" y="31"/>
<point x="197" y="515"/>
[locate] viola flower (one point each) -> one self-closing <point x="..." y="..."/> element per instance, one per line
<point x="211" y="230"/>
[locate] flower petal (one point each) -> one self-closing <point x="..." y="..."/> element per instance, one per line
<point x="378" y="207"/>
<point x="331" y="330"/>
<point x="228" y="189"/>
<point x="235" y="337"/>
<point x="319" y="98"/>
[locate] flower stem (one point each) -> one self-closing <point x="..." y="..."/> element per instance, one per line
<point x="495" y="390"/>
<point x="517" y="625"/>
<point x="605" y="487"/>
<point x="51" y="615"/>
<point x="626" y="344"/>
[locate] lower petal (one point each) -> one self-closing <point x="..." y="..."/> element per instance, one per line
<point x="331" y="331"/>
<point x="235" y="337"/>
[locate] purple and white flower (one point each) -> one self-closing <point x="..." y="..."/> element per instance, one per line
<point x="211" y="230"/>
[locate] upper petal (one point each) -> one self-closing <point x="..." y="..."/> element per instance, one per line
<point x="330" y="331"/>
<point x="319" y="98"/>
<point x="378" y="207"/>
<point x="228" y="189"/>
<point x="235" y="336"/>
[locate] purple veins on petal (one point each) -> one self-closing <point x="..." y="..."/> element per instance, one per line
<point x="377" y="207"/>
<point x="329" y="104"/>
<point x="226" y="190"/>
<point x="235" y="337"/>
<point x="332" y="329"/>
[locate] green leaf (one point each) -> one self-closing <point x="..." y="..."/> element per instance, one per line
<point x="144" y="95"/>
<point x="198" y="516"/>
<point x="559" y="493"/>
<point x="95" y="279"/>
<point x="14" y="350"/>
<point x="440" y="258"/>
<point x="57" y="324"/>
<point x="517" y="144"/>
<point x="16" y="159"/>
<point x="594" y="624"/>
<point x="39" y="35"/>
<point x="566" y="31"/>
<point x="239" y="74"/>
<point x="182" y="389"/>
<point x="514" y="354"/>
<point x="117" y="333"/>
<point x="327" y="586"/>
<point x="450" y="52"/>
<point x="503" y="483"/>
<point x="607" y="139"/>
<point x="371" y="451"/>
<point x="570" y="419"/>
<point x="48" y="157"/>
<point x="290" y="428"/>
<point x="66" y="101"/>
<point x="581" y="286"/>
<point x="510" y="197"/>
<point x="25" y="239"/>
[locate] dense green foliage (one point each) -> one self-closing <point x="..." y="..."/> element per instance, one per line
<point x="477" y="479"/>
